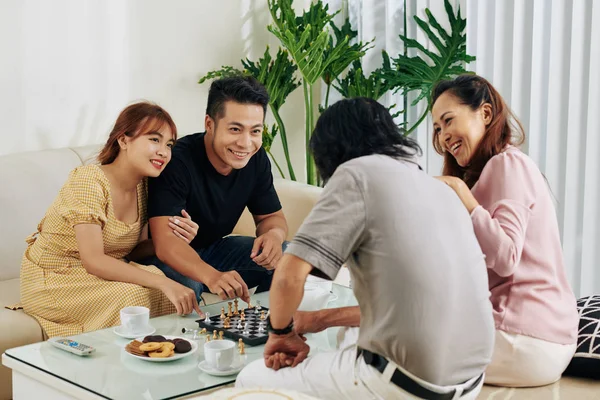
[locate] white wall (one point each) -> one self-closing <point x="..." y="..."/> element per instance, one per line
<point x="69" y="66"/>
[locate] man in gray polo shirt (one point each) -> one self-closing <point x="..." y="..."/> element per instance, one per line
<point x="419" y="276"/>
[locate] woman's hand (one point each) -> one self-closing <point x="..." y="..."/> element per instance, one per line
<point x="182" y="297"/>
<point x="462" y="190"/>
<point x="184" y="228"/>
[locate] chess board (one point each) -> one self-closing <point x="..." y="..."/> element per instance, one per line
<point x="253" y="338"/>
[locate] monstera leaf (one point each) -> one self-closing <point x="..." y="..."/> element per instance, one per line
<point x="421" y="74"/>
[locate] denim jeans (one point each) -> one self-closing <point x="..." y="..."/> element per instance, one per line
<point x="229" y="253"/>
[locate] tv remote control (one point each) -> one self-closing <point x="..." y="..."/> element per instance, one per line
<point x="71" y="346"/>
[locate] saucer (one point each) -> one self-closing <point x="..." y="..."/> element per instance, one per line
<point x="119" y="331"/>
<point x="233" y="369"/>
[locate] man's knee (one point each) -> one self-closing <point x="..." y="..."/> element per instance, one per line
<point x="253" y="375"/>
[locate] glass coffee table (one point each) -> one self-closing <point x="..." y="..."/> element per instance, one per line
<point x="43" y="371"/>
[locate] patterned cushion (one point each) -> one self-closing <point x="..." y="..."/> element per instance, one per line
<point x="586" y="362"/>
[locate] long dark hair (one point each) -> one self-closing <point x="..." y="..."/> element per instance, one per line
<point x="504" y="129"/>
<point x="354" y="128"/>
<point x="135" y="120"/>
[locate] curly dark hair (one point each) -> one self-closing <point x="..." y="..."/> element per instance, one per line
<point x="241" y="89"/>
<point x="357" y="127"/>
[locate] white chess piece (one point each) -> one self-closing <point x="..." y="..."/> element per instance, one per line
<point x="246" y="331"/>
<point x="261" y="327"/>
<point x="258" y="307"/>
<point x="239" y="325"/>
<point x="207" y="319"/>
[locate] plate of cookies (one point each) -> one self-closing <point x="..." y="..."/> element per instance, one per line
<point x="158" y="348"/>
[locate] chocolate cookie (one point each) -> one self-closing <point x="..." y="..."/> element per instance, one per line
<point x="154" y="338"/>
<point x="182" y="346"/>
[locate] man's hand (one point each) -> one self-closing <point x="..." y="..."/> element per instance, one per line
<point x="181" y="296"/>
<point x="270" y="243"/>
<point x="228" y="285"/>
<point x="308" y="322"/>
<point x="285" y="351"/>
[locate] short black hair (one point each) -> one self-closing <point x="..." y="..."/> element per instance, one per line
<point x="357" y="127"/>
<point x="241" y="89"/>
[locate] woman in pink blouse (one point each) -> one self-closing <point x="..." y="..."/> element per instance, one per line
<point x="515" y="223"/>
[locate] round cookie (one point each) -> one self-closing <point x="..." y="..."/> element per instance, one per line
<point x="163" y="352"/>
<point x="183" y="346"/>
<point x="168" y="345"/>
<point x="150" y="346"/>
<point x="154" y="338"/>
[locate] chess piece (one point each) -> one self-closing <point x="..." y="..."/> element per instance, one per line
<point x="242" y="316"/>
<point x="220" y="335"/>
<point x="262" y="315"/>
<point x="261" y="326"/>
<point x="227" y="323"/>
<point x="222" y="313"/>
<point x="241" y="347"/>
<point x="258" y="306"/>
<point x="203" y="331"/>
<point x="239" y="325"/>
<point x="235" y="307"/>
<point x="214" y="335"/>
<point x="229" y="312"/>
<point x="207" y="318"/>
<point x="246" y="331"/>
<point x="208" y="338"/>
<point x="249" y="304"/>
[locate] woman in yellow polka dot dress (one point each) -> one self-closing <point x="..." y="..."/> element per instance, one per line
<point x="78" y="270"/>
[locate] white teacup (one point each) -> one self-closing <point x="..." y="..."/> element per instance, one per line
<point x="315" y="297"/>
<point x="219" y="354"/>
<point x="135" y="320"/>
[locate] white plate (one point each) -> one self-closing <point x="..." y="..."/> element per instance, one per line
<point x="119" y="331"/>
<point x="174" y="357"/>
<point x="234" y="369"/>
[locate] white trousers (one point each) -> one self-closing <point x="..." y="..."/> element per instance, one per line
<point x="339" y="375"/>
<point x="521" y="361"/>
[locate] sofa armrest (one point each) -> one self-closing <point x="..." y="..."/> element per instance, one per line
<point x="297" y="199"/>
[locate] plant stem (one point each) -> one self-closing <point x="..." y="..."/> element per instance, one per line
<point x="418" y="122"/>
<point x="327" y="96"/>
<point x="284" y="143"/>
<point x="276" y="164"/>
<point x="308" y="129"/>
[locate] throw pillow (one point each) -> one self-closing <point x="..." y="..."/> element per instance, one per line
<point x="586" y="361"/>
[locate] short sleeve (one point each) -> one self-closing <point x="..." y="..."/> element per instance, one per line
<point x="84" y="197"/>
<point x="264" y="199"/>
<point x="335" y="227"/>
<point x="168" y="193"/>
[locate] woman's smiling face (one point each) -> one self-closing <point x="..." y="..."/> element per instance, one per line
<point x="459" y="129"/>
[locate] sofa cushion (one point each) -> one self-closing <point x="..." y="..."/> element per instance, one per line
<point x="30" y="182"/>
<point x="16" y="329"/>
<point x="586" y="362"/>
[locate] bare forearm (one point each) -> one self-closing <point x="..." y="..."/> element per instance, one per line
<point x="287" y="289"/>
<point x="112" y="269"/>
<point x="343" y="316"/>
<point x="143" y="250"/>
<point x="183" y="258"/>
<point x="275" y="223"/>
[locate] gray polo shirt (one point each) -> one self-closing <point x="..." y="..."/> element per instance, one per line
<point x="417" y="270"/>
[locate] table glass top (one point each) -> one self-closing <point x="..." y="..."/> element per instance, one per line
<point x="112" y="373"/>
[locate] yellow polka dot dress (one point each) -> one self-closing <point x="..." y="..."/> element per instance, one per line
<point x="55" y="287"/>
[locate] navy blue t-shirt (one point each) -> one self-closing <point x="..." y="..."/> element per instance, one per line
<point x="214" y="201"/>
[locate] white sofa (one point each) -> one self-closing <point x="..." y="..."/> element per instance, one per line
<point x="29" y="183"/>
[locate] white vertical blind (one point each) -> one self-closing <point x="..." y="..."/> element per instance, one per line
<point x="544" y="58"/>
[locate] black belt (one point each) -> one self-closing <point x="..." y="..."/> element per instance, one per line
<point x="405" y="382"/>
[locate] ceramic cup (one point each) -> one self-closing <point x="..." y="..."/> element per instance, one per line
<point x="135" y="320"/>
<point x="219" y="354"/>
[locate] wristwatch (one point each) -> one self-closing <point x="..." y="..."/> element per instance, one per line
<point x="283" y="331"/>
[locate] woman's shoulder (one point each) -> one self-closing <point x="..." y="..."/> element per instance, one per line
<point x="511" y="163"/>
<point x="90" y="177"/>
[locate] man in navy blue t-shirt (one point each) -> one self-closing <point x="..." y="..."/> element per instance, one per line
<point x="213" y="176"/>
